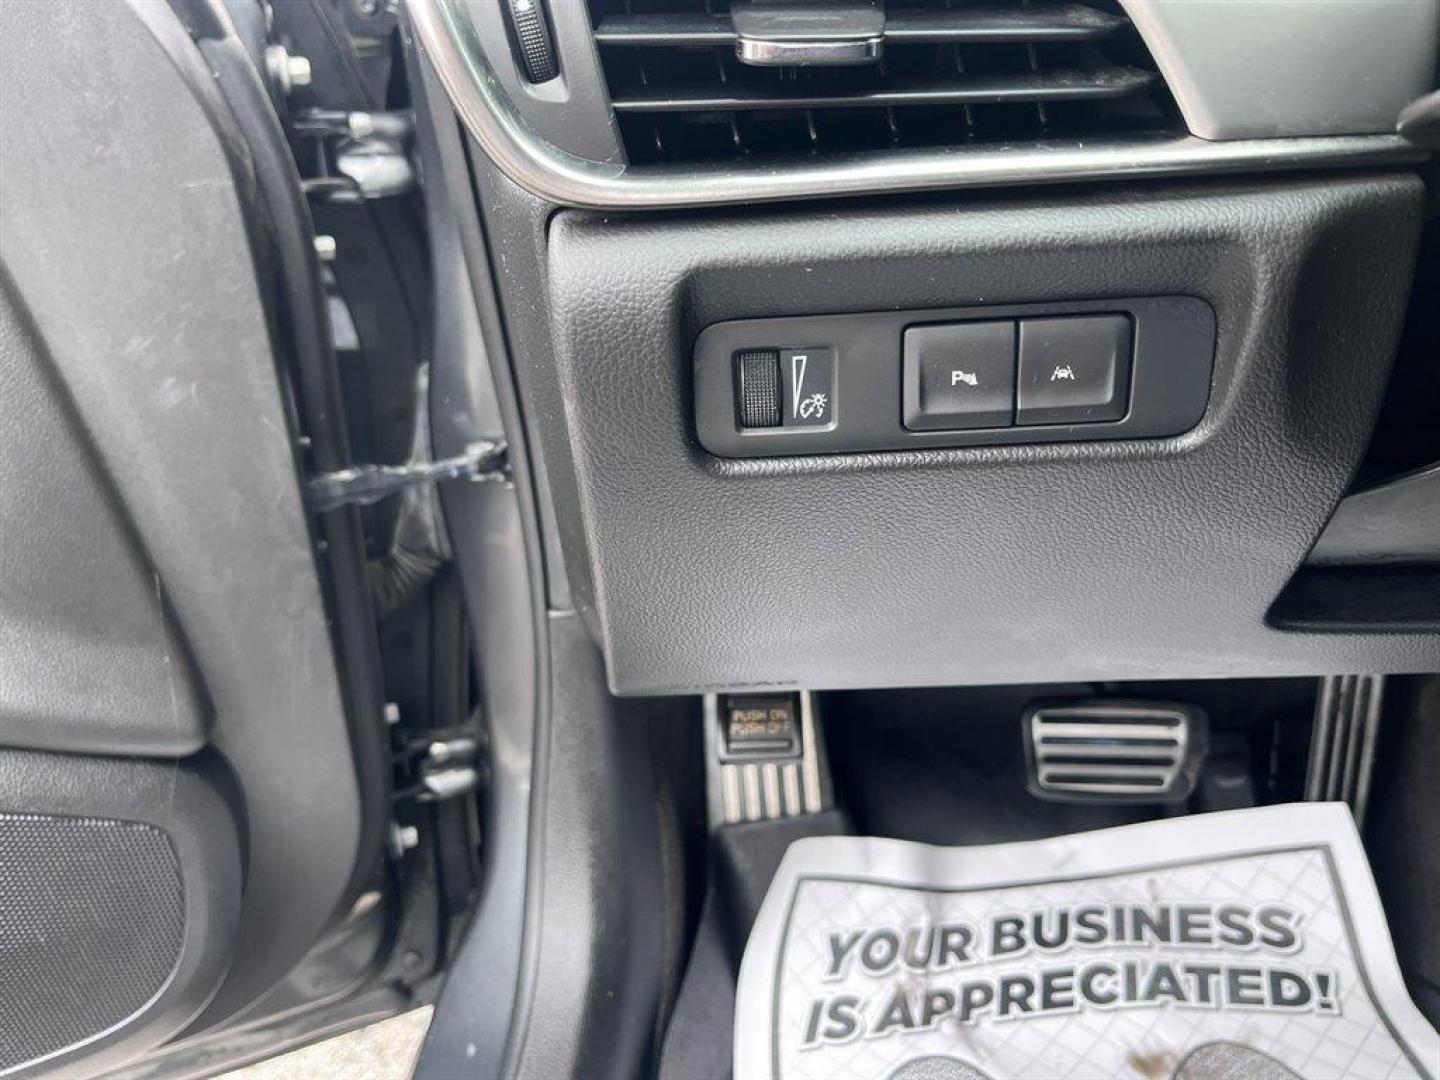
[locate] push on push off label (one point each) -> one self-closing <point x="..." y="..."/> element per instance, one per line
<point x="1243" y="944"/>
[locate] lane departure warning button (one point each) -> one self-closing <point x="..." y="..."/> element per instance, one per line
<point x="1074" y="370"/>
<point x="959" y="376"/>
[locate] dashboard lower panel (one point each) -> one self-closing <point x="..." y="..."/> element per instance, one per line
<point x="1132" y="558"/>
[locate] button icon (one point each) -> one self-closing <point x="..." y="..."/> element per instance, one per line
<point x="808" y="377"/>
<point x="798" y="363"/>
<point x="969" y="378"/>
<point x="812" y="408"/>
<point x="1073" y="369"/>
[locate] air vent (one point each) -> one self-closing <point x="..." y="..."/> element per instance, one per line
<point x="950" y="74"/>
<point x="1114" y="751"/>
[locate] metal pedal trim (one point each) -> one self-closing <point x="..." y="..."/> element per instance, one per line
<point x="1113" y="751"/>
<point x="1342" y="741"/>
<point x="760" y="787"/>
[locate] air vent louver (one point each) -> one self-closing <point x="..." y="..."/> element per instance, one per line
<point x="952" y="74"/>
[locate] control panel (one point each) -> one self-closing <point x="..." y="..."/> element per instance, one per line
<point x="1137" y="367"/>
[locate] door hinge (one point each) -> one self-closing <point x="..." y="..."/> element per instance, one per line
<point x="441" y="765"/>
<point x="361" y="485"/>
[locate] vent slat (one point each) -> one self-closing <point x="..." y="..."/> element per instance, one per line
<point x="993" y="24"/>
<point x="972" y="90"/>
<point x="953" y="74"/>
<point x="679" y="28"/>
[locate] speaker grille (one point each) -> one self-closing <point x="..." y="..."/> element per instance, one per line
<point x="92" y="919"/>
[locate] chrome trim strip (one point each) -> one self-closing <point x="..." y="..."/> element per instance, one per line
<point x="448" y="39"/>
<point x="1365" y="765"/>
<point x="1343" y="735"/>
<point x="763" y="53"/>
<point x="810" y="759"/>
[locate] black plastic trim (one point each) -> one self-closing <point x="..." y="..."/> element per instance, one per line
<point x="1361" y="600"/>
<point x="1121" y="559"/>
<point x="1102" y="84"/>
<point x="1170" y="379"/>
<point x="1397" y="521"/>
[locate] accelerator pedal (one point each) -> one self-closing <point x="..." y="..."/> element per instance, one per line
<point x="1114" y="751"/>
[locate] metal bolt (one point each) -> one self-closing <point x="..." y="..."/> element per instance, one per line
<point x="298" y="69"/>
<point x="447" y="783"/>
<point x="443" y="750"/>
<point x="326" y="247"/>
<point x="403" y="838"/>
<point x="360" y="124"/>
<point x="285" y="70"/>
<point x="392" y="713"/>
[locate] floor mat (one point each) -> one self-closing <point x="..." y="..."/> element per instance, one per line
<point x="1241" y="944"/>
